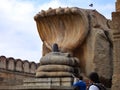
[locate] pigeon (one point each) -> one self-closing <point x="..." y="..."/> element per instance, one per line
<point x="91" y="5"/>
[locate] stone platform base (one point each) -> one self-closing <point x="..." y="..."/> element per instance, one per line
<point x="48" y="82"/>
<point x="36" y="88"/>
<point x="64" y="83"/>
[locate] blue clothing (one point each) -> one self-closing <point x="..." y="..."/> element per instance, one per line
<point x="80" y="84"/>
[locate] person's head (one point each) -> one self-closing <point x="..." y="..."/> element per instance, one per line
<point x="80" y="78"/>
<point x="94" y="77"/>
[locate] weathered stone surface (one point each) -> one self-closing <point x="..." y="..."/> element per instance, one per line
<point x="19" y="64"/>
<point x="118" y="6"/>
<point x="12" y="73"/>
<point x="48" y="82"/>
<point x="37" y="88"/>
<point x="56" y="28"/>
<point x="57" y="64"/>
<point x="26" y="66"/>
<point x="43" y="84"/>
<point x="11" y="78"/>
<point x="11" y="64"/>
<point x="53" y="74"/>
<point x="49" y="68"/>
<point x="99" y="53"/>
<point x="33" y="67"/>
<point x="91" y="39"/>
<point x="3" y="62"/>
<point x="91" y="43"/>
<point x="116" y="82"/>
<point x="116" y="49"/>
<point x="59" y="58"/>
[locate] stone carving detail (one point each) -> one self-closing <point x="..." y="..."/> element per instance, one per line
<point x="57" y="64"/>
<point x="84" y="34"/>
<point x="55" y="28"/>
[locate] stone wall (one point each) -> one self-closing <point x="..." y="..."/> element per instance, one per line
<point x="13" y="71"/>
<point x="118" y="6"/>
<point x="116" y="49"/>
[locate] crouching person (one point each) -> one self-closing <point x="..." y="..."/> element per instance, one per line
<point x="80" y="84"/>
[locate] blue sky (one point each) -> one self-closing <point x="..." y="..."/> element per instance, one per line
<point x="18" y="33"/>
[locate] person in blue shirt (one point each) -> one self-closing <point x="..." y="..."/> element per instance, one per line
<point x="80" y="83"/>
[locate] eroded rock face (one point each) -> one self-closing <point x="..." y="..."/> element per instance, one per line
<point x="83" y="33"/>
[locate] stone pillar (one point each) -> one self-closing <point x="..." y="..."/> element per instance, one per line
<point x="116" y="47"/>
<point x="118" y="6"/>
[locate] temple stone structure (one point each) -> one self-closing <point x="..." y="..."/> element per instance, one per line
<point x="116" y="49"/>
<point x="75" y="42"/>
<point x="82" y="33"/>
<point x="118" y="6"/>
<point x="57" y="64"/>
<point x="13" y="71"/>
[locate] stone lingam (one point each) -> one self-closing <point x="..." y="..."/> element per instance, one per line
<point x="58" y="67"/>
<point x="57" y="64"/>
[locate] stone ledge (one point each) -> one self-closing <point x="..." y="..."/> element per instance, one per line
<point x="17" y="73"/>
<point x="36" y="88"/>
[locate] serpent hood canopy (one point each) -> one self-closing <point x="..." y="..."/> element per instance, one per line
<point x="67" y="27"/>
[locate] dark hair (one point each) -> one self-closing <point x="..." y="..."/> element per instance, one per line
<point x="80" y="78"/>
<point x="94" y="77"/>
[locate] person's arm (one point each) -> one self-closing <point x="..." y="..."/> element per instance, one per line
<point x="75" y="79"/>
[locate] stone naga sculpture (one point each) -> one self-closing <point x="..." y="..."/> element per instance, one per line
<point x="83" y="33"/>
<point x="61" y="26"/>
